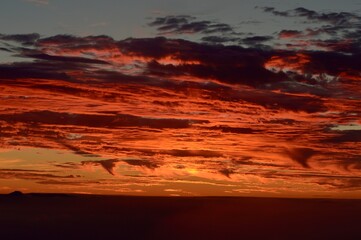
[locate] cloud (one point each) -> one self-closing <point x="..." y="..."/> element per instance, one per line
<point x="25" y="39"/>
<point x="96" y="120"/>
<point x="109" y="165"/>
<point x="234" y="65"/>
<point x="26" y="174"/>
<point x="189" y="109"/>
<point x="337" y="18"/>
<point x="351" y="163"/>
<point x="5" y="49"/>
<point x="301" y="155"/>
<point x="38" y="70"/>
<point x="226" y="172"/>
<point x="73" y="60"/>
<point x="219" y="39"/>
<point x="247" y="161"/>
<point x="275" y="12"/>
<point x="256" y="40"/>
<point x="346" y="136"/>
<point x="142" y="163"/>
<point x="289" y="34"/>
<point x="348" y="183"/>
<point x="176" y="153"/>
<point x="227" y="129"/>
<point x="187" y="24"/>
<point x="338" y="32"/>
<point x="194" y="153"/>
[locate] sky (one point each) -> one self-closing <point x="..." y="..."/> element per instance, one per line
<point x="181" y="98"/>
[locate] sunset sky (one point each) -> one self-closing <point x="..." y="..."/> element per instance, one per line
<point x="181" y="98"/>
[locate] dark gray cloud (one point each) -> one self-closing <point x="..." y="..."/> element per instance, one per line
<point x="187" y="24"/>
<point x="219" y="39"/>
<point x="256" y="40"/>
<point x="72" y="60"/>
<point x="5" y="49"/>
<point x="341" y="29"/>
<point x="71" y="42"/>
<point x="336" y="18"/>
<point x="25" y="39"/>
<point x="275" y="12"/>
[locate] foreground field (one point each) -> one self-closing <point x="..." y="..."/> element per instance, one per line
<point x="56" y="216"/>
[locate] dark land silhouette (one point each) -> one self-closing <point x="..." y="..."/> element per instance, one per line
<point x="64" y="216"/>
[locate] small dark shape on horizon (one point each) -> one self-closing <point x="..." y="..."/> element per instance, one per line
<point x="51" y="195"/>
<point x="16" y="194"/>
